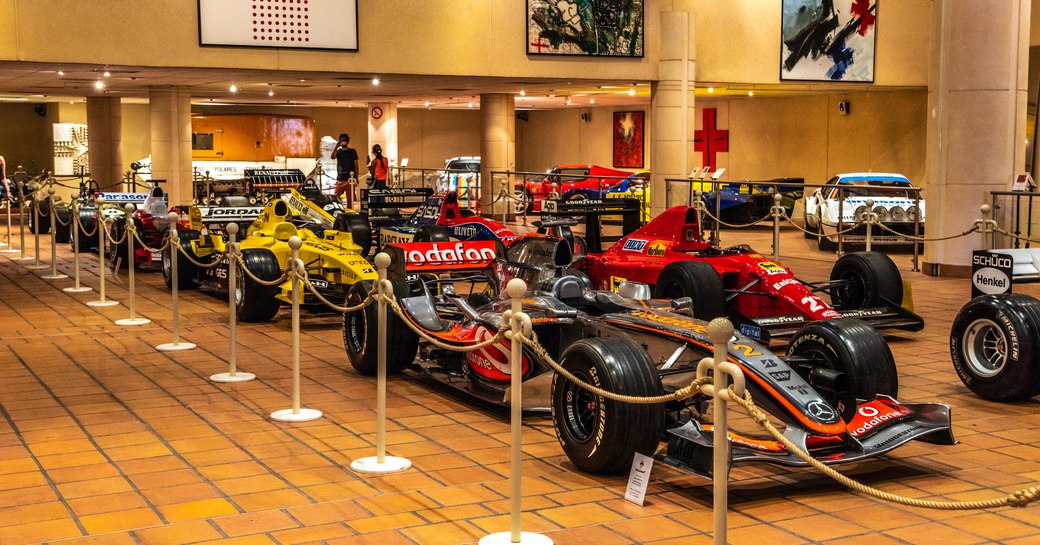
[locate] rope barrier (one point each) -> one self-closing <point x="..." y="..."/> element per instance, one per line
<point x="90" y="233"/>
<point x="137" y="237"/>
<point x="176" y="244"/>
<point x="122" y="239"/>
<point x="736" y="225"/>
<point x="237" y="256"/>
<point x="1012" y="235"/>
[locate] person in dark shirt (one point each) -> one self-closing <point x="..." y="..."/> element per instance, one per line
<point x="346" y="169"/>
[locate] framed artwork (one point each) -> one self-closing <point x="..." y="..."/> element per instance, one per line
<point x="286" y="24"/>
<point x="628" y="139"/>
<point x="828" y="40"/>
<point x="610" y="28"/>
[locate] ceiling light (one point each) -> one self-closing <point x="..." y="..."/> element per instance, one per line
<point x="61" y="72"/>
<point x="750" y="93"/>
<point x="523" y="93"/>
<point x="711" y="89"/>
<point x="469" y="104"/>
<point x="631" y="92"/>
<point x="99" y="85"/>
<point x="375" y="81"/>
<point x="72" y="102"/>
<point x="567" y="101"/>
<point x="107" y="73"/>
<point x="427" y="104"/>
<point x="270" y="93"/>
<point x="233" y="88"/>
<point x="592" y="101"/>
<point x="303" y="81"/>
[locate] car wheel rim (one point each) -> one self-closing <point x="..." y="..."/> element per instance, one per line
<point x="823" y="358"/>
<point x="520" y="202"/>
<point x="985" y="348"/>
<point x="581" y="410"/>
<point x="239" y="295"/>
<point x="852" y="294"/>
<point x="672" y="291"/>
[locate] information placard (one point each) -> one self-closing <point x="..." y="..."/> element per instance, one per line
<point x="991" y="273"/>
<point x="299" y="24"/>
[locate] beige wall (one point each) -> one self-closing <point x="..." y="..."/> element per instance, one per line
<point x="428" y="137"/>
<point x="25" y="137"/>
<point x="554" y="137"/>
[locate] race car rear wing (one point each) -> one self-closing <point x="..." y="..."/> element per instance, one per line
<point x="441" y="257"/>
<point x="215" y="218"/>
<point x="593" y="211"/>
<point x="392" y="200"/>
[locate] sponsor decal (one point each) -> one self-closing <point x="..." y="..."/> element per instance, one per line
<point x="776" y="320"/>
<point x="865" y="313"/>
<point x="550" y="205"/>
<point x="990" y="273"/>
<point x="821" y="411"/>
<point x="319" y="284"/>
<point x="448" y="255"/>
<point x="615" y="282"/>
<point x="388" y="237"/>
<point x="780" y="376"/>
<point x="751" y="330"/>
<point x="465" y="231"/>
<point x="634" y="245"/>
<point x="124" y="197"/>
<point x="784" y="282"/>
<point x="870" y="417"/>
<point x="657" y="248"/>
<point x="771" y="268"/>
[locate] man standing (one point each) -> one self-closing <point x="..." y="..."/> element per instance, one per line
<point x="346" y="168"/>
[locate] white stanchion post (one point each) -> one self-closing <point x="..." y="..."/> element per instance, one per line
<point x="871" y="216"/>
<point x="233" y="374"/>
<point x="295" y="414"/>
<point x="131" y="228"/>
<point x="777" y="212"/>
<point x="55" y="275"/>
<point x="10" y="248"/>
<point x="21" y="225"/>
<point x="720" y="331"/>
<point x="102" y="233"/>
<point x="985" y="231"/>
<point x="381" y="463"/>
<point x="518" y="321"/>
<point x="174" y="248"/>
<point x="75" y="252"/>
<point x="36" y="266"/>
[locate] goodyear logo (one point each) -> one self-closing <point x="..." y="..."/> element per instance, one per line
<point x="634" y="245"/>
<point x="770" y="268"/>
<point x="657" y="249"/>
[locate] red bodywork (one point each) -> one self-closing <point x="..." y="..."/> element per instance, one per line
<point x="675" y="236"/>
<point x="573" y="180"/>
<point x="152" y="230"/>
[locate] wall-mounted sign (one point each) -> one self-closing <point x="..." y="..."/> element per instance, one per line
<point x="293" y="24"/>
<point x="990" y="273"/>
<point x="377" y="112"/>
<point x="71" y="155"/>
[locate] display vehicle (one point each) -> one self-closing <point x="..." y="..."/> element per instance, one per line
<point x="995" y="346"/>
<point x="573" y="182"/>
<point x="747" y="202"/>
<point x="333" y="260"/>
<point x="834" y="389"/>
<point x="843" y="202"/>
<point x="440" y="218"/>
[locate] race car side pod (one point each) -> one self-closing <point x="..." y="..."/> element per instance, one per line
<point x="131" y="231"/>
<point x="101" y="227"/>
<point x="55" y="275"/>
<point x="381" y="463"/>
<point x="175" y="246"/>
<point x="519" y="324"/>
<point x="297" y="270"/>
<point x="36" y="266"/>
<point x="75" y="250"/>
<point x="232" y="375"/>
<point x="720" y="331"/>
<point x="10" y="248"/>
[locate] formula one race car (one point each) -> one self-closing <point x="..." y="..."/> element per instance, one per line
<point x="573" y="182"/>
<point x="441" y="219"/>
<point x="843" y="202"/>
<point x="761" y="296"/>
<point x="113" y="209"/>
<point x="834" y="389"/>
<point x="746" y="202"/>
<point x="334" y="262"/>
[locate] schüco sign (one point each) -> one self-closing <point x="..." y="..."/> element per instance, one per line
<point x="990" y="273"/>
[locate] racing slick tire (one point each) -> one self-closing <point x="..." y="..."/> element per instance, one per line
<point x="855" y="349"/>
<point x="599" y="435"/>
<point x="994" y="349"/>
<point x="873" y="280"/>
<point x="358" y="227"/>
<point x="697" y="280"/>
<point x="361" y="333"/>
<point x="187" y="275"/>
<point x="62" y="216"/>
<point x="255" y="302"/>
<point x="45" y="221"/>
<point x="431" y="233"/>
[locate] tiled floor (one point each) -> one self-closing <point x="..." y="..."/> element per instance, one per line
<point x="104" y="440"/>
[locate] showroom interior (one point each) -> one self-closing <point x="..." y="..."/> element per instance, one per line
<point x="112" y="434"/>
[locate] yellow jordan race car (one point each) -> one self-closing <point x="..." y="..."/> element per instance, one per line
<point x="333" y="260"/>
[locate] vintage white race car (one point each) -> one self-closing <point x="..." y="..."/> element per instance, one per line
<point x="843" y="202"/>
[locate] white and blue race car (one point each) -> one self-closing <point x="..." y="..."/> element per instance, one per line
<point x="843" y="202"/>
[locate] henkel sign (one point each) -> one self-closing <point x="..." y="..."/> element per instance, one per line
<point x="990" y="273"/>
<point x="443" y="256"/>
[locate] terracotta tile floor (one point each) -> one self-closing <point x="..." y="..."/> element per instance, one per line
<point x="104" y="440"/>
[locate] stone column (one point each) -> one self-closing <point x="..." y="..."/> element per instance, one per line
<point x="976" y="119"/>
<point x="382" y="130"/>
<point x="672" y="110"/>
<point x="105" y="141"/>
<point x="170" y="112"/>
<point x="497" y="148"/>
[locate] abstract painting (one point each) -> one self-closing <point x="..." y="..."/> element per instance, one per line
<point x="628" y="139"/>
<point x="612" y="28"/>
<point x="828" y="40"/>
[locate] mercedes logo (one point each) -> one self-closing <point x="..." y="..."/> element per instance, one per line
<point x="821" y="412"/>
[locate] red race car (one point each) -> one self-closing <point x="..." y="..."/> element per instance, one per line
<point x="573" y="182"/>
<point x="763" y="298"/>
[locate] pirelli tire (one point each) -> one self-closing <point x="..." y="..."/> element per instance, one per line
<point x="697" y="280"/>
<point x="598" y="435"/>
<point x="255" y="302"/>
<point x="868" y="279"/>
<point x="432" y="233"/>
<point x="993" y="345"/>
<point x="361" y="333"/>
<point x="358" y="227"/>
<point x="187" y="272"/>
<point x="855" y="349"/>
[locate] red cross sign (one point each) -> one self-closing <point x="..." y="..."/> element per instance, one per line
<point x="710" y="140"/>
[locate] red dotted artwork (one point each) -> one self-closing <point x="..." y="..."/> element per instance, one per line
<point x="281" y="21"/>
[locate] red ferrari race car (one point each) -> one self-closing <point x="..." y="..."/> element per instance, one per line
<point x="834" y="389"/>
<point x="573" y="182"/>
<point x="762" y="297"/>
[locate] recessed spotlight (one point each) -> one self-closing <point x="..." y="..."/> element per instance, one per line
<point x="99" y="85"/>
<point x="711" y="89"/>
<point x="427" y="104"/>
<point x="523" y="93"/>
<point x="750" y="93"/>
<point x="270" y="93"/>
<point x="303" y="81"/>
<point x="72" y="102"/>
<point x="107" y="73"/>
<point x="469" y="104"/>
<point x="61" y="72"/>
<point x="592" y="101"/>
<point x="375" y="81"/>
<point x="233" y="88"/>
<point x="631" y="92"/>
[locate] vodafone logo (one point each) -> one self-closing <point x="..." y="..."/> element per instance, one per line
<point x="492" y="362"/>
<point x="440" y="254"/>
<point x="870" y="417"/>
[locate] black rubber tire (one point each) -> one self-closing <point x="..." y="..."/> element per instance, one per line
<point x="45" y="221"/>
<point x="358" y="227"/>
<point x="255" y="302"/>
<point x="360" y="333"/>
<point x="187" y="273"/>
<point x="62" y="216"/>
<point x="431" y="233"/>
<point x="698" y="281"/>
<point x="874" y="281"/>
<point x="120" y="251"/>
<point x="993" y="345"/>
<point x="87" y="220"/>
<point x="857" y="350"/>
<point x="599" y="435"/>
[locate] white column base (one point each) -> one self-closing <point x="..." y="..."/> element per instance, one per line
<point x="173" y="347"/>
<point x="58" y="276"/>
<point x="105" y="303"/>
<point x="228" y="377"/>
<point x="287" y="415"/>
<point x="505" y="538"/>
<point x="73" y="289"/>
<point x="391" y="464"/>
<point x="133" y="321"/>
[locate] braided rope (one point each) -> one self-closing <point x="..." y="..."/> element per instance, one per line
<point x="90" y="233"/>
<point x="66" y="223"/>
<point x="305" y="278"/>
<point x="1012" y="235"/>
<point x="853" y="227"/>
<point x="236" y="254"/>
<point x="122" y="239"/>
<point x="1018" y="498"/>
<point x="925" y="239"/>
<point x="137" y="236"/>
<point x="736" y="225"/>
<point x="176" y="243"/>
